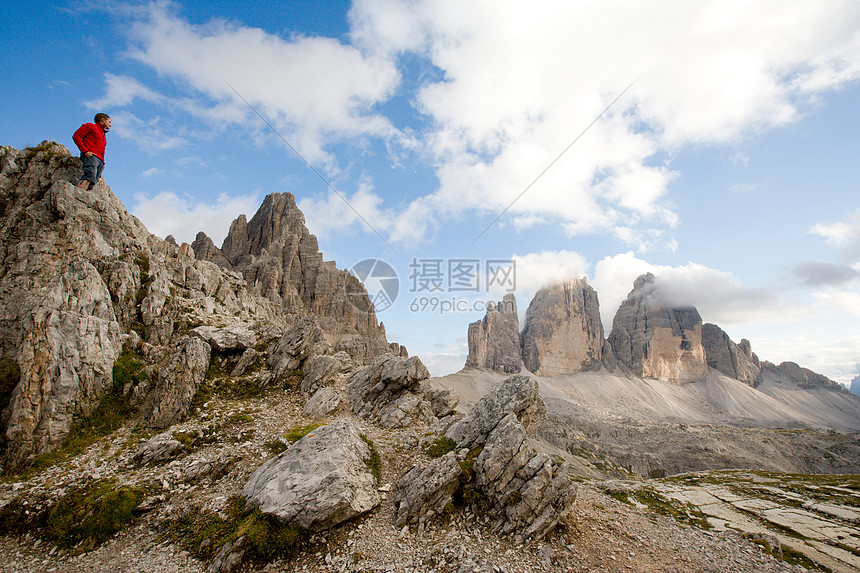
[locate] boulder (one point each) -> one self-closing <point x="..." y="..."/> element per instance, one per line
<point x="321" y="370"/>
<point x="525" y="491"/>
<point x="389" y="391"/>
<point x="425" y="492"/>
<point x="563" y="333"/>
<point x="653" y="338"/>
<point x="325" y="401"/>
<point x="494" y="341"/>
<point x="530" y="494"/>
<point x="177" y="383"/>
<point x="303" y="340"/>
<point x="158" y="449"/>
<point x="319" y="481"/>
<point x="518" y="395"/>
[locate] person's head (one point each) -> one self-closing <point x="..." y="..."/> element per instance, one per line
<point x="103" y="119"/>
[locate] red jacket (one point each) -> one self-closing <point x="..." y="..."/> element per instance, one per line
<point x="91" y="137"/>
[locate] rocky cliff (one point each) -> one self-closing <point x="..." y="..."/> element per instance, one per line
<point x="81" y="279"/>
<point x="736" y="361"/>
<point x="655" y="339"/>
<point x="494" y="341"/>
<point x="563" y="333"/>
<point x="280" y="260"/>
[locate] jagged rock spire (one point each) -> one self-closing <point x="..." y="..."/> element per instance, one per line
<point x="494" y="341"/>
<point x="280" y="260"/>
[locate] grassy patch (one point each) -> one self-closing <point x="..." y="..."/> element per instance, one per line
<point x="92" y="514"/>
<point x="374" y="462"/>
<point x="295" y="434"/>
<point x="276" y="446"/>
<point x="466" y="494"/>
<point x="681" y="512"/>
<point x="441" y="446"/>
<point x="266" y="539"/>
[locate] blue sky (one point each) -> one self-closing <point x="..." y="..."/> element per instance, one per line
<point x="728" y="168"/>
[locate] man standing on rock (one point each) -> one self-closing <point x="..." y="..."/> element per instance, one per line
<point x="90" y="139"/>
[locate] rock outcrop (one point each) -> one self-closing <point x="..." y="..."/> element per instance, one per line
<point x="803" y="377"/>
<point x="734" y="360"/>
<point x="79" y="276"/>
<point x="654" y="339"/>
<point x="527" y="492"/>
<point x="524" y="493"/>
<point x="423" y="493"/>
<point x="280" y="260"/>
<point x="494" y="341"/>
<point x="177" y="383"/>
<point x="563" y="333"/>
<point x="81" y="279"/>
<point x="389" y="392"/>
<point x="319" y="481"/>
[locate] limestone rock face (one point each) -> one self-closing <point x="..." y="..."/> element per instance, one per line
<point x="319" y="481"/>
<point x="300" y="342"/>
<point x="563" y="333"/>
<point x="803" y="377"/>
<point x="228" y="338"/>
<point x="734" y="360"/>
<point x="57" y="317"/>
<point x="494" y="341"/>
<point x="529" y="492"/>
<point x="205" y="250"/>
<point x="325" y="401"/>
<point x="655" y="340"/>
<point x="281" y="261"/>
<point x="78" y="276"/>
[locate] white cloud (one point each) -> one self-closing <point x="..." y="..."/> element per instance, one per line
<point x="335" y="212"/>
<point x="845" y="235"/>
<point x="152" y="172"/>
<point x="149" y="135"/>
<point x="169" y="214"/>
<point x="519" y="80"/>
<point x="440" y="364"/>
<point x="720" y="297"/>
<point x="537" y="270"/>
<point x="845" y="301"/>
<point x="315" y="90"/>
<point x="815" y="349"/>
<point x="120" y="91"/>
